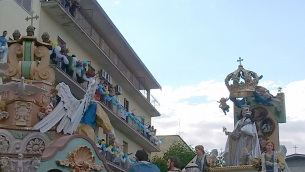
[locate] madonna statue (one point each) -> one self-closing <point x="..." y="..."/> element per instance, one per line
<point x="242" y="144"/>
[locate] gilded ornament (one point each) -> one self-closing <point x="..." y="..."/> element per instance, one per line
<point x="244" y="82"/>
<point x="233" y="168"/>
<point x="80" y="159"/>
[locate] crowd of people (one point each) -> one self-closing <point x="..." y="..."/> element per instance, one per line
<point x="199" y="163"/>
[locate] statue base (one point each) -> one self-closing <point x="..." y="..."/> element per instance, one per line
<point x="244" y="168"/>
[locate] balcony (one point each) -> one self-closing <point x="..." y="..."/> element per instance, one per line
<point x="115" y="163"/>
<point x="128" y="128"/>
<point x="89" y="38"/>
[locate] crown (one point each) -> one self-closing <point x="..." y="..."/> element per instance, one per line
<point x="244" y="82"/>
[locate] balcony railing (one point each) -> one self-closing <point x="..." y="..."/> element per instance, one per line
<point x="115" y="161"/>
<point x="91" y="31"/>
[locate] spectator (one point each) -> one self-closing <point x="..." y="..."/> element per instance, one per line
<point x="142" y="163"/>
<point x="173" y="164"/>
<point x="64" y="59"/>
<point x="75" y="5"/>
<point x="67" y="4"/>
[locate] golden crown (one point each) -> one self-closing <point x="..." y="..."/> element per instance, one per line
<point x="242" y="82"/>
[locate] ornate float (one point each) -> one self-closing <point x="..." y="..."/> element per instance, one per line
<point x="26" y="102"/>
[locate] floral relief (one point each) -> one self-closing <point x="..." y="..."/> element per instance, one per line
<point x="35" y="146"/>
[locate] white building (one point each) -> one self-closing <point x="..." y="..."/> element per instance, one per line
<point x="92" y="36"/>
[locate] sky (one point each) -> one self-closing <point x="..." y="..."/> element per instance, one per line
<point x="190" y="46"/>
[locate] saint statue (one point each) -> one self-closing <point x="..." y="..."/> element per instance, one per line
<point x="242" y="144"/>
<point x="270" y="160"/>
<point x="202" y="160"/>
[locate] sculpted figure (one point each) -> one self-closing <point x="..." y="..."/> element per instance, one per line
<point x="30" y="30"/>
<point x="16" y="35"/>
<point x="242" y="144"/>
<point x="201" y="159"/>
<point x="223" y="105"/>
<point x="263" y="95"/>
<point x="270" y="160"/>
<point x="46" y="37"/>
<point x="19" y="162"/>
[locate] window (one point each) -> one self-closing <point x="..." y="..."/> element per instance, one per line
<point x="61" y="42"/>
<point x="126" y="106"/>
<point x="26" y="4"/>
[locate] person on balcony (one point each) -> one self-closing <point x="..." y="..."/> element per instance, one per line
<point x="173" y="164"/>
<point x="142" y="163"/>
<point x="81" y="71"/>
<point x="75" y="5"/>
<point x="71" y="65"/>
<point x="3" y="47"/>
<point x="64" y="59"/>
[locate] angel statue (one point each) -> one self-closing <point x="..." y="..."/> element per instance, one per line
<point x="264" y="96"/>
<point x="69" y="111"/>
<point x="270" y="160"/>
<point x="201" y="162"/>
<point x="242" y="144"/>
<point x="96" y="114"/>
<point x="223" y="105"/>
<point x="77" y="116"/>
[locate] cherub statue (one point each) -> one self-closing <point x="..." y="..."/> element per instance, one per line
<point x="30" y="30"/>
<point x="46" y="38"/>
<point x="264" y="96"/>
<point x="16" y="35"/>
<point x="223" y="105"/>
<point x="279" y="89"/>
<point x="20" y="161"/>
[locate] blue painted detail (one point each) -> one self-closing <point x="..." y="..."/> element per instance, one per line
<point x="90" y="115"/>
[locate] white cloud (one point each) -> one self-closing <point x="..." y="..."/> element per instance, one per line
<point x="116" y="2"/>
<point x="202" y="123"/>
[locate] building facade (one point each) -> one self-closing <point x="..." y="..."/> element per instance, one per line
<point x="90" y="35"/>
<point x="296" y="162"/>
<point x="167" y="141"/>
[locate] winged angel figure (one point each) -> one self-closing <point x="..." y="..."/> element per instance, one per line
<point x="69" y="111"/>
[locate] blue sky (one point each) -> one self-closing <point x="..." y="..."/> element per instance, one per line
<point x="189" y="41"/>
<point x="191" y="45"/>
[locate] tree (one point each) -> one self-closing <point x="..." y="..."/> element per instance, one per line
<point x="183" y="152"/>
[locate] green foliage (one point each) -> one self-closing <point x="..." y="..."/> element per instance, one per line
<point x="179" y="149"/>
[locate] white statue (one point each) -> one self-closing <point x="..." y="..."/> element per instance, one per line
<point x="69" y="110"/>
<point x="21" y="88"/>
<point x="242" y="144"/>
<point x="191" y="167"/>
<point x="283" y="151"/>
